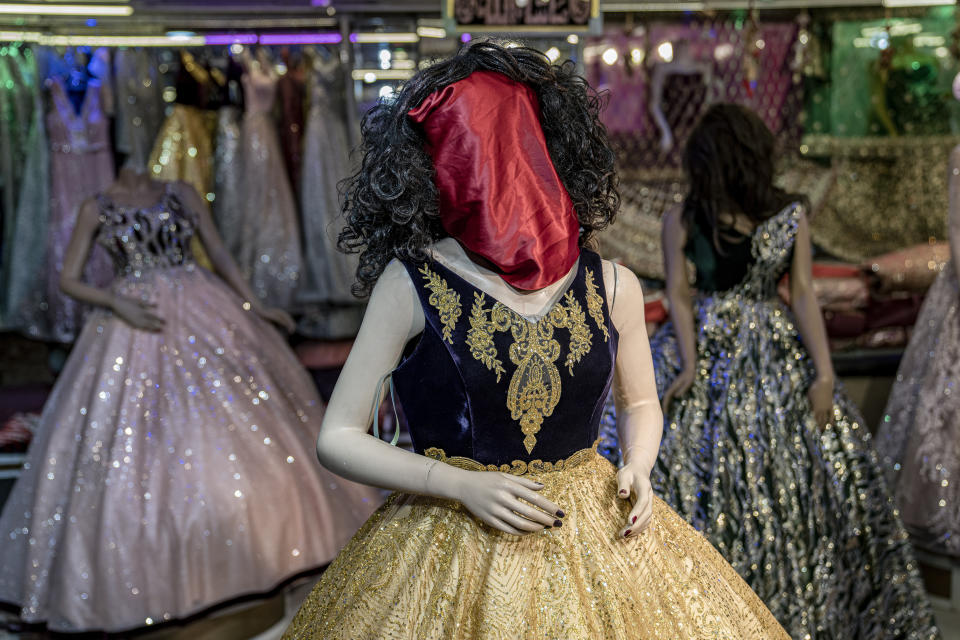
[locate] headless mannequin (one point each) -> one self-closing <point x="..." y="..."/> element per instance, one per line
<point x="506" y="502"/>
<point x="135" y="188"/>
<point x="683" y="63"/>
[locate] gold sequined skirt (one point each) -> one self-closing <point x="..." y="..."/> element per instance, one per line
<point x="426" y="569"/>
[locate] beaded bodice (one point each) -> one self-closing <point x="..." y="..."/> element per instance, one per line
<point x="486" y="383"/>
<point x="144" y="238"/>
<point x="772" y="252"/>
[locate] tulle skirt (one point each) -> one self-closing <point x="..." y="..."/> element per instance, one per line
<point x="424" y="568"/>
<point x="172" y="471"/>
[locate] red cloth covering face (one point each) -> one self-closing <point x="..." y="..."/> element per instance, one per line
<point x="500" y="195"/>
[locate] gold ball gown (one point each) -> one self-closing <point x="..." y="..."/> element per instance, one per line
<point x="488" y="389"/>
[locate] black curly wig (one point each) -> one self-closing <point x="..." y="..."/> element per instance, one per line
<point x="729" y="161"/>
<point x="391" y="203"/>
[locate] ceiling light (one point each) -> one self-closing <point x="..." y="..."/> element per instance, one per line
<point x="665" y="51"/>
<point x="431" y="32"/>
<point x="372" y="75"/>
<point x="610" y="56"/>
<point x="86" y="10"/>
<point x="636" y="56"/>
<point x="552" y="54"/>
<point x="371" y="38"/>
<point x="573" y="38"/>
<point x="300" y="38"/>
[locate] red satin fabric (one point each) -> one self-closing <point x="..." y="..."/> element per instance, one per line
<point x="500" y="195"/>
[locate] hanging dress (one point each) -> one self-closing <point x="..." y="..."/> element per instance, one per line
<point x="81" y="165"/>
<point x="26" y="227"/>
<point x="328" y="308"/>
<point x="265" y="241"/>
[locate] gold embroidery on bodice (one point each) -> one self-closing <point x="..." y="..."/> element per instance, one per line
<point x="595" y="304"/>
<point x="444" y="299"/>
<point x="534" y="389"/>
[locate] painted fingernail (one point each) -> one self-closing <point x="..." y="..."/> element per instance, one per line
<point x="557" y="523"/>
<point x="634" y="521"/>
<point x="627" y="533"/>
<point x="560" y="514"/>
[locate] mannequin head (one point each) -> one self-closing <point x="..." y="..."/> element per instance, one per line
<point x="392" y="203"/>
<point x="729" y="161"/>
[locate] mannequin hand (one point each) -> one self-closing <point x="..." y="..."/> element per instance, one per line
<point x="500" y="500"/>
<point x="137" y="313"/>
<point x="666" y="141"/>
<point x="681" y="384"/>
<point x="821" y="401"/>
<point x="634" y="478"/>
<point x="278" y="317"/>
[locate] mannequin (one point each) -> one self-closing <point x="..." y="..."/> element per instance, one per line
<point x="919" y="437"/>
<point x="753" y="412"/>
<point x="150" y="490"/>
<point x="683" y="64"/>
<point x="506" y="522"/>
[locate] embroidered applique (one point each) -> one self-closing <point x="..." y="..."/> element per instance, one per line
<point x="534" y="389"/>
<point x="445" y="300"/>
<point x="595" y="305"/>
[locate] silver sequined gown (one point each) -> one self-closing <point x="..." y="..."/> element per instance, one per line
<point x="919" y="437"/>
<point x="803" y="515"/>
<point x="326" y="304"/>
<point x="170" y="471"/>
<point x="266" y="239"/>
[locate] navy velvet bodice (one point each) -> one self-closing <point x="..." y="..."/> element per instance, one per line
<point x="483" y="382"/>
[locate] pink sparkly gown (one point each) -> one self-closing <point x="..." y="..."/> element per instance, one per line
<point x="176" y="470"/>
<point x="919" y="435"/>
<point x="81" y="165"/>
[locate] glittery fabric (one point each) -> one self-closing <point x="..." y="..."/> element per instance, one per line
<point x="81" y="165"/>
<point x="227" y="177"/>
<point x="267" y="236"/>
<point x="426" y="569"/>
<point x="328" y="307"/>
<point x="919" y="437"/>
<point x="139" y="104"/>
<point x="174" y="470"/>
<point x="803" y="515"/>
<point x="183" y="149"/>
<point x="910" y="172"/>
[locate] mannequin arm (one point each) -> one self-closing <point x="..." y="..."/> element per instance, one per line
<point x="639" y="419"/>
<point x="393" y="317"/>
<point x="679" y="296"/>
<point x="810" y="325"/>
<point x="78" y="249"/>
<point x="954" y="209"/>
<point x="223" y="263"/>
<point x="138" y="313"/>
<point x="656" y="107"/>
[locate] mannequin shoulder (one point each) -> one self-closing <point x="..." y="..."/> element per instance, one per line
<point x="620" y="283"/>
<point x="624" y="293"/>
<point x="394" y="302"/>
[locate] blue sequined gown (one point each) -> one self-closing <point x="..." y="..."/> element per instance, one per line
<point x="803" y="515"/>
<point x="486" y="389"/>
<point x="170" y="471"/>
